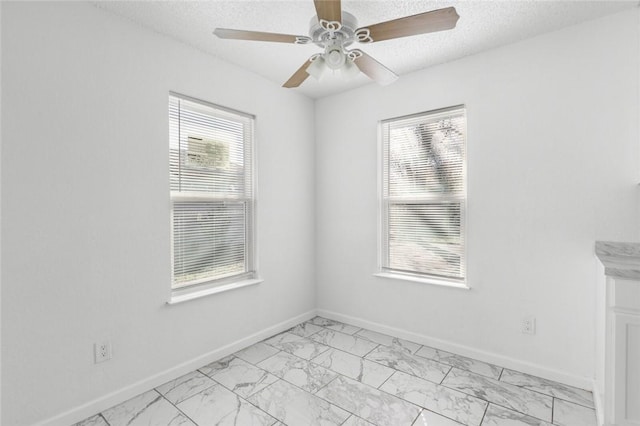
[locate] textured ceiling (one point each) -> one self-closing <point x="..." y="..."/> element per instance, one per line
<point x="483" y="25"/>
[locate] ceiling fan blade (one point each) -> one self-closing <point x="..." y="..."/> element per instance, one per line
<point x="329" y="10"/>
<point x="260" y="36"/>
<point x="422" y="23"/>
<point x="299" y="76"/>
<point x="374" y="69"/>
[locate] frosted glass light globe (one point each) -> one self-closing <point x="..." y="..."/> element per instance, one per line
<point x="334" y="59"/>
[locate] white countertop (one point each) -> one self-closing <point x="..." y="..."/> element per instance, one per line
<point x="620" y="260"/>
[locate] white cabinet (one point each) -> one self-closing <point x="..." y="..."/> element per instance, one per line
<point x="618" y="334"/>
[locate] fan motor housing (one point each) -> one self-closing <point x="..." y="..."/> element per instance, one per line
<point x="344" y="35"/>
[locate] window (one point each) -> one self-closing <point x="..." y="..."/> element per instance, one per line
<point x="212" y="194"/>
<point x="422" y="210"/>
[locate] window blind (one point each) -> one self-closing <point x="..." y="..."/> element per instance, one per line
<point x="212" y="195"/>
<point x="424" y="194"/>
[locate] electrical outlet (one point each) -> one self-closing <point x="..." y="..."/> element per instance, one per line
<point x="529" y="325"/>
<point x="102" y="351"/>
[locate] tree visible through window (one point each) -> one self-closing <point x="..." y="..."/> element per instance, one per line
<point x="423" y="194"/>
<point x="211" y="179"/>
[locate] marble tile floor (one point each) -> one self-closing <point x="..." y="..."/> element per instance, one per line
<point x="324" y="372"/>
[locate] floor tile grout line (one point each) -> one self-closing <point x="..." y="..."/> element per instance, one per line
<point x="387" y="379"/>
<point x="420" y="357"/>
<point x="373" y="349"/>
<point x="215" y="383"/>
<point x="514" y="410"/>
<point x="484" y="414"/>
<point x="343" y="350"/>
<point x="310" y="323"/>
<point x="282" y="349"/>
<point x="264" y="388"/>
<point x="519" y="412"/>
<point x="574" y="403"/>
<point x="293" y="355"/>
<point x="299" y="387"/>
<point x="551" y="396"/>
<point x="258" y="408"/>
<point x="332" y="403"/>
<point x="504" y="383"/>
<point x="271" y="356"/>
<point x="324" y="386"/>
<point x="257" y="382"/>
<point x="549" y="382"/>
<point x="251" y="364"/>
<point x="392" y="338"/>
<point x="434" y="411"/>
<point x="412" y="374"/>
<point x="457" y="356"/>
<point x="335" y="323"/>
<point x="157" y="388"/>
<point x="494" y="403"/>
<point x="328" y="348"/>
<point x="342" y="328"/>
<point x="103" y="418"/>
<point x="420" y="408"/>
<point x="365" y="340"/>
<point x="447" y="417"/>
<point x="178" y="408"/>
<point x="423" y="407"/>
<point x="459" y="367"/>
<point x="353" y="378"/>
<point x="401" y="371"/>
<point x="418" y="415"/>
<point x="345" y="420"/>
<point x="445" y="376"/>
<point x="346" y="334"/>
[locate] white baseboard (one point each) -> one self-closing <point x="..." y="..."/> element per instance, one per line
<point x="598" y="403"/>
<point x="100" y="404"/>
<point x="492" y="358"/>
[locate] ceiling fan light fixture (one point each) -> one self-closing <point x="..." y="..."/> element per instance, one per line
<point x="349" y="70"/>
<point x="317" y="69"/>
<point x="334" y="58"/>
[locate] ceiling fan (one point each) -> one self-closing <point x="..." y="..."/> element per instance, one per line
<point x="334" y="29"/>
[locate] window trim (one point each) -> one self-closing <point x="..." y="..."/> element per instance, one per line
<point x="189" y="293"/>
<point x="208" y="286"/>
<point x="383" y="250"/>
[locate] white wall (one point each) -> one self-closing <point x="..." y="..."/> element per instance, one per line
<point x="552" y="167"/>
<point x="85" y="220"/>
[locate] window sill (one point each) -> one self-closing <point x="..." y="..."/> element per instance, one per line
<point x="180" y="296"/>
<point x="424" y="280"/>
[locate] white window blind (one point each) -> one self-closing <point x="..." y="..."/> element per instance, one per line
<point x="212" y="194"/>
<point x="424" y="194"/>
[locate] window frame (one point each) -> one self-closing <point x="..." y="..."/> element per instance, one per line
<point x="208" y="285"/>
<point x="384" y="202"/>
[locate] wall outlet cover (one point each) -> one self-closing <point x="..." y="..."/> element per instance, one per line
<point x="102" y="351"/>
<point x="528" y="325"/>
